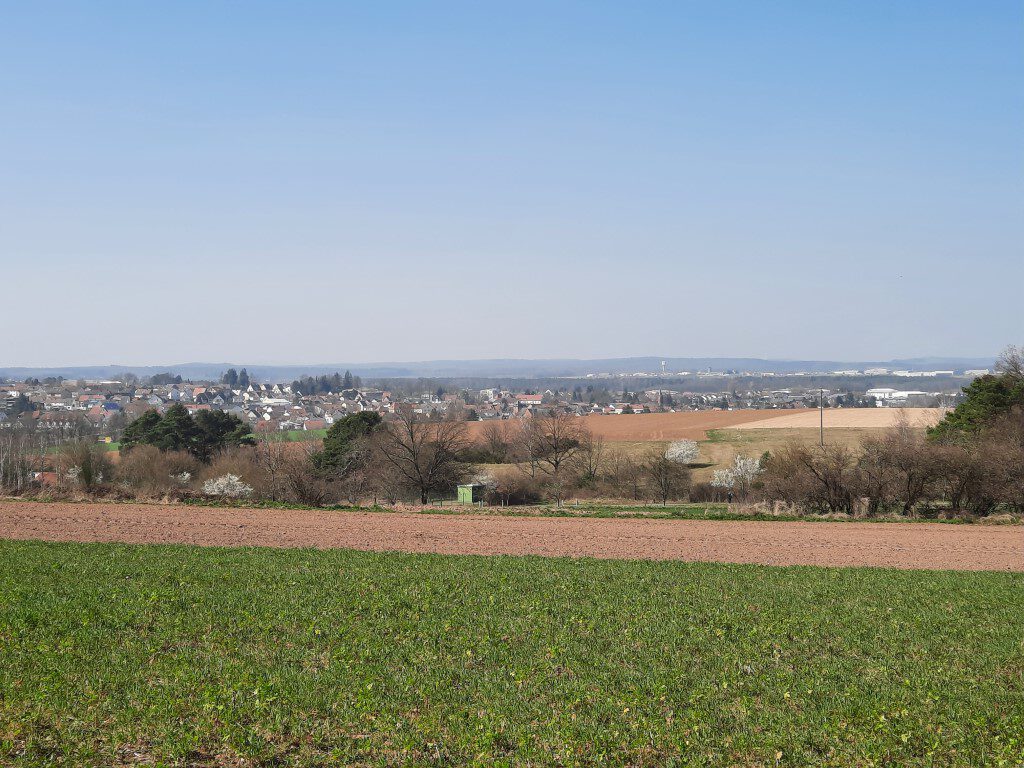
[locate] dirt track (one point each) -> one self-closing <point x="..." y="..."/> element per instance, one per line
<point x="899" y="545"/>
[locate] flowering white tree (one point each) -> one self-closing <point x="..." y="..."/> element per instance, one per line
<point x="227" y="485"/>
<point x="739" y="477"/>
<point x="723" y="478"/>
<point x="745" y="471"/>
<point x="682" y="451"/>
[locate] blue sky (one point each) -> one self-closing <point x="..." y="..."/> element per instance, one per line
<point x="317" y="182"/>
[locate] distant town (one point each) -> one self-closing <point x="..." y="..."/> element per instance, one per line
<point x="313" y="403"/>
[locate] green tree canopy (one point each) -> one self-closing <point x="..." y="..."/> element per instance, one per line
<point x="342" y="439"/>
<point x="986" y="398"/>
<point x="162" y="379"/>
<point x="314" y="385"/>
<point x="177" y="430"/>
<point x="141" y="431"/>
<point x="215" y="430"/>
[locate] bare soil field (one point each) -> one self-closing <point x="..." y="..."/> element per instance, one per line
<point x="898" y="545"/>
<point x="646" y="427"/>
<point x="848" y="418"/>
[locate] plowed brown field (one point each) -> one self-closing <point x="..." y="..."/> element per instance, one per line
<point x="643" y="427"/>
<point x="897" y="545"/>
<point x="848" y="418"/>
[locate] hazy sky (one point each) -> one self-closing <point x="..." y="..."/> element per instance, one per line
<point x="315" y="182"/>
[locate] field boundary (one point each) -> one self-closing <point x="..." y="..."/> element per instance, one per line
<point x="908" y="546"/>
<point x="590" y="509"/>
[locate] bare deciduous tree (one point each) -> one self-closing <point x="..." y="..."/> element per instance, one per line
<point x="553" y="440"/>
<point x="16" y="452"/>
<point x="965" y="475"/>
<point x="499" y="438"/>
<point x="1011" y="363"/>
<point x="590" y="458"/>
<point x="627" y="475"/>
<point x="876" y="475"/>
<point x="302" y="482"/>
<point x="669" y="479"/>
<point x="424" y="453"/>
<point x="821" y="478"/>
<point x="1002" y="448"/>
<point x="271" y="457"/>
<point x="913" y="463"/>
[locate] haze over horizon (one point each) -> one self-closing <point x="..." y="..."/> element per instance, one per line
<point x="551" y="358"/>
<point x="128" y="364"/>
<point x="323" y="182"/>
<point x="502" y="368"/>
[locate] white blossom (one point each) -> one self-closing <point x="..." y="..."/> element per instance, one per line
<point x="745" y="469"/>
<point x="683" y="451"/>
<point x="227" y="485"/>
<point x="740" y="475"/>
<point x="723" y="478"/>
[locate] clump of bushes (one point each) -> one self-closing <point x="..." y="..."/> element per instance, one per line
<point x="82" y="465"/>
<point x="152" y="473"/>
<point x="906" y="473"/>
<point x="971" y="464"/>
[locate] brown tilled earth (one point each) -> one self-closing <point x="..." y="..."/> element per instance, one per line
<point x="897" y="545"/>
<point x="848" y="418"/>
<point x="684" y="425"/>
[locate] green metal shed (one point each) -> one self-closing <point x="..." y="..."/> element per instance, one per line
<point x="471" y="493"/>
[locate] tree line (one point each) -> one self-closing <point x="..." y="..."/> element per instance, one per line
<point x="322" y="385"/>
<point x="364" y="458"/>
<point x="971" y="463"/>
<point x="233" y="379"/>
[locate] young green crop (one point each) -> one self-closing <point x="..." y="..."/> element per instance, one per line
<point x="198" y="656"/>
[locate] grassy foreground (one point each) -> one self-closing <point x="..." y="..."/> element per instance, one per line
<point x="127" y="655"/>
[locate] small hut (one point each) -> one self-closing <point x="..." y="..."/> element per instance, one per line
<point x="471" y="493"/>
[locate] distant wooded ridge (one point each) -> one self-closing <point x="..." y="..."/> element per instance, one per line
<point x="505" y="367"/>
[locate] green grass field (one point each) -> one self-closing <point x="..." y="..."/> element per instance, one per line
<point x="122" y="655"/>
